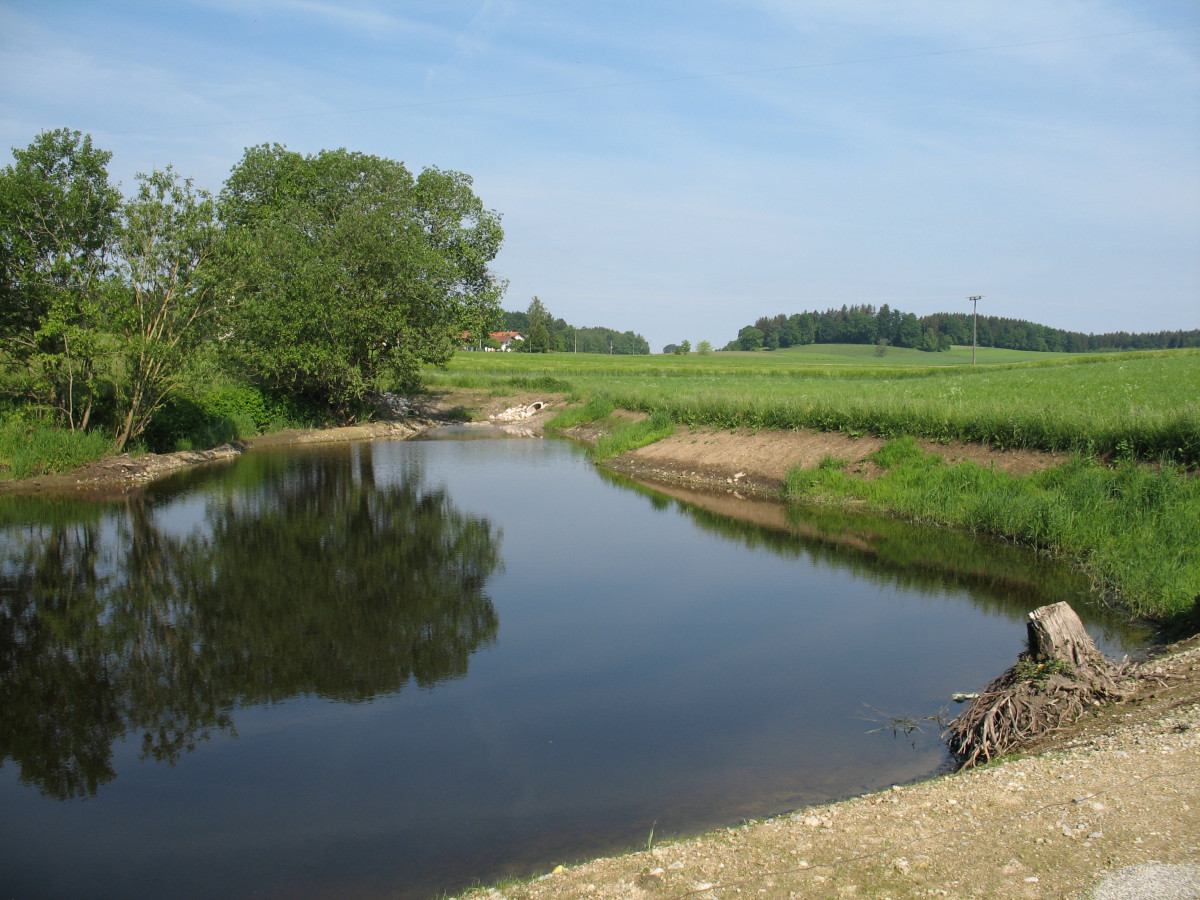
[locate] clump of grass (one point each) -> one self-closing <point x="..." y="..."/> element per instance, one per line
<point x="897" y="453"/>
<point x="29" y="448"/>
<point x="828" y="478"/>
<point x="1037" y="671"/>
<point x="542" y="383"/>
<point x="598" y="407"/>
<point x="634" y="435"/>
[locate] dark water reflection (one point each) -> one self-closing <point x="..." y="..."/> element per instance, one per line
<point x="250" y="680"/>
<point x="306" y="579"/>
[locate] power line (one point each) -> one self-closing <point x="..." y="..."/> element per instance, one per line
<point x="649" y="82"/>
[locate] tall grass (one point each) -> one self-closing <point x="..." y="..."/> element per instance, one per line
<point x="597" y="407"/>
<point x="1134" y="529"/>
<point x="633" y="435"/>
<point x="29" y="448"/>
<point x="619" y="435"/>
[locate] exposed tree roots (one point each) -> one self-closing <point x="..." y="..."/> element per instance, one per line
<point x="1050" y="686"/>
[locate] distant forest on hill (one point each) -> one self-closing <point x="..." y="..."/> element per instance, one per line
<point x="867" y="324"/>
<point x="543" y="333"/>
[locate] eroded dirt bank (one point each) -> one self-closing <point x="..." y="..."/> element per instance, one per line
<point x="758" y="461"/>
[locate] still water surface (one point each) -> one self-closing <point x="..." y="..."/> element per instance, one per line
<point x="391" y="669"/>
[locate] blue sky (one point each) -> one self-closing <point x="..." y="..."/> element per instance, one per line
<point x="681" y="168"/>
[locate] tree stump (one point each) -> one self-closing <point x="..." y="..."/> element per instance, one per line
<point x="1053" y="682"/>
<point x="1056" y="632"/>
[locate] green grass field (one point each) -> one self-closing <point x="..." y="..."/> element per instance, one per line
<point x="811" y="358"/>
<point x="1136" y="405"/>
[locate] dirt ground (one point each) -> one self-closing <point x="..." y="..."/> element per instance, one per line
<point x="757" y="461"/>
<point x="1118" y="791"/>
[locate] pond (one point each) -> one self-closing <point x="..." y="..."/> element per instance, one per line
<point x="395" y="669"/>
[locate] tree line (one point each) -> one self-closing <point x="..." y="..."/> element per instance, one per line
<point x="544" y="333"/>
<point x="312" y="278"/>
<point x="884" y="326"/>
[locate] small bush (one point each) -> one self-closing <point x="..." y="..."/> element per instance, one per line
<point x="201" y="419"/>
<point x="241" y="402"/>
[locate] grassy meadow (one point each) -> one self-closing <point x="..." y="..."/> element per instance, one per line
<point x="1142" y="406"/>
<point x="1126" y="508"/>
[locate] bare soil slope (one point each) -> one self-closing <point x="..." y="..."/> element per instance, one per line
<point x="759" y="460"/>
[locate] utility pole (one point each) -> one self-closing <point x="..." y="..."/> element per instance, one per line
<point x="974" y="301"/>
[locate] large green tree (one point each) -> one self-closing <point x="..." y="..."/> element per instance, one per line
<point x="164" y="298"/>
<point x="58" y="215"/>
<point x="342" y="267"/>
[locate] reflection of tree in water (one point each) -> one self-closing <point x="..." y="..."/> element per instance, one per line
<point x="311" y="579"/>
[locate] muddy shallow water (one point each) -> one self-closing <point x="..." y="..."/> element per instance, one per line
<point x="390" y="669"/>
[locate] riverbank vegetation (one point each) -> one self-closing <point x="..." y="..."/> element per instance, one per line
<point x="175" y="317"/>
<point x="1133" y="528"/>
<point x="1125" y="507"/>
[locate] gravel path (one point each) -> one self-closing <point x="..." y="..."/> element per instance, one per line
<point x="1150" y="882"/>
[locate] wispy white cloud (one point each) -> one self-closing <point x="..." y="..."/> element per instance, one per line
<point x="867" y="150"/>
